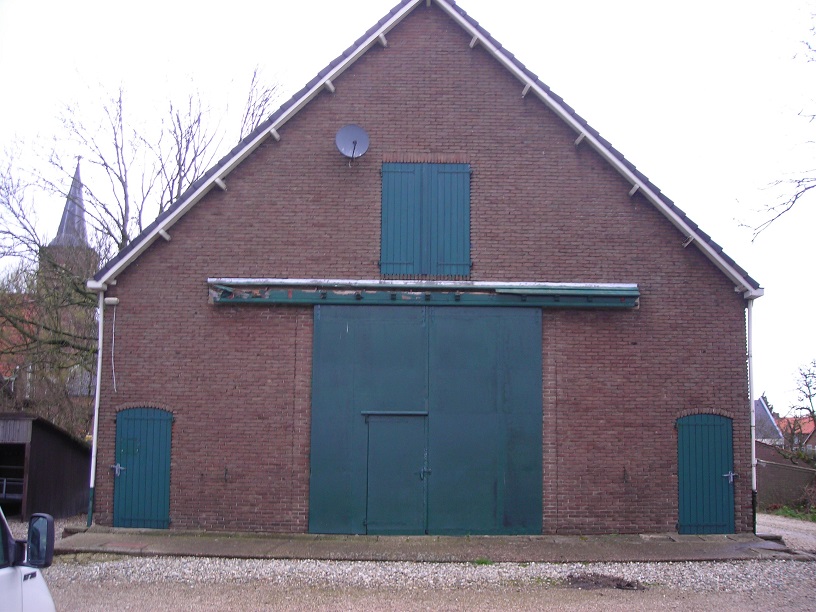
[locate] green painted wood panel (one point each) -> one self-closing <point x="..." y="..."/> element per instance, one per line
<point x="425" y="221"/>
<point x="365" y="360"/>
<point x="396" y="494"/>
<point x="472" y="377"/>
<point x="401" y="225"/>
<point x="485" y="422"/>
<point x="447" y="210"/>
<point x="141" y="491"/>
<point x="705" y="458"/>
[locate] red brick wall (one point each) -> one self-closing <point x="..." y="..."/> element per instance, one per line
<point x="238" y="379"/>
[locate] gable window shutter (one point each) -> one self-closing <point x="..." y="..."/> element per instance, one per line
<point x="425" y="220"/>
<point x="401" y="219"/>
<point x="448" y="209"/>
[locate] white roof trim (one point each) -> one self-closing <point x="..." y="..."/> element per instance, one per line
<point x="741" y="282"/>
<point x="249" y="147"/>
<point x="737" y="278"/>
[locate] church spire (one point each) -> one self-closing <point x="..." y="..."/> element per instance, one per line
<point x="72" y="232"/>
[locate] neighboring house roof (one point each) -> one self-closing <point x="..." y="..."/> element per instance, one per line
<point x="766" y="427"/>
<point x="802" y="425"/>
<point x="72" y="231"/>
<point x="529" y="85"/>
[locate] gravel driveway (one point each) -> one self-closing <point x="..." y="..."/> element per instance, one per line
<point x="89" y="583"/>
<point x="95" y="582"/>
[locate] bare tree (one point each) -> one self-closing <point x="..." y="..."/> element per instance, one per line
<point x="806" y="391"/>
<point x="801" y="186"/>
<point x="138" y="177"/>
<point x="19" y="237"/>
<point x="259" y="103"/>
<point x="47" y="316"/>
<point x="802" y="415"/>
<point x="183" y="152"/>
<point x="48" y="336"/>
<point x="140" y="171"/>
<point x="798" y="188"/>
<point x="793" y="433"/>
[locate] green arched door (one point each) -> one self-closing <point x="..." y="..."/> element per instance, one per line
<point x="705" y="474"/>
<point x="141" y="490"/>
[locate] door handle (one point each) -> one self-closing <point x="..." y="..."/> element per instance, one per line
<point x="118" y="469"/>
<point x="423" y="473"/>
<point x="730" y="475"/>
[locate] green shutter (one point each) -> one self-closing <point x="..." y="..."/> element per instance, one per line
<point x="425" y="220"/>
<point x="448" y="211"/>
<point x="401" y="219"/>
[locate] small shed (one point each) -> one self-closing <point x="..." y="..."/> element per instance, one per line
<point x="42" y="467"/>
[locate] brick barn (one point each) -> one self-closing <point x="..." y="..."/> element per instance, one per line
<point x="425" y="296"/>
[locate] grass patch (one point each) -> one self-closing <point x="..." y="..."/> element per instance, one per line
<point x="797" y="513"/>
<point x="482" y="561"/>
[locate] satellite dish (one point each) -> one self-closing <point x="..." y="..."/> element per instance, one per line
<point x="352" y="141"/>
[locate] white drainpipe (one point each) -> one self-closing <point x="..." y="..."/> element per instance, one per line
<point x="753" y="411"/>
<point x="100" y="322"/>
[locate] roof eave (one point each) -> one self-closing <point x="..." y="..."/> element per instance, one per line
<point x="743" y="283"/>
<point x="249" y="146"/>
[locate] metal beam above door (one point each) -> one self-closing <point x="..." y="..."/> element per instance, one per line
<point x="431" y="293"/>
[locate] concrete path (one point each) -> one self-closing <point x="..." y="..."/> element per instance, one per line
<point x="653" y="547"/>
<point x="795" y="533"/>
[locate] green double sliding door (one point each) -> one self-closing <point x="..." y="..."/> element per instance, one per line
<point x="426" y="420"/>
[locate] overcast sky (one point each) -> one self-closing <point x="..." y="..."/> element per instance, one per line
<point x="703" y="96"/>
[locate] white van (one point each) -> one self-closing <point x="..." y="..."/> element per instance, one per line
<point x="22" y="586"/>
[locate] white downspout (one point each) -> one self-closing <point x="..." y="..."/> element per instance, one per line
<point x="753" y="411"/>
<point x="100" y="322"/>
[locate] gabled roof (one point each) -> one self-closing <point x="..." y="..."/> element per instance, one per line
<point x="72" y="232"/>
<point x="799" y="424"/>
<point x="766" y="427"/>
<point x="529" y="84"/>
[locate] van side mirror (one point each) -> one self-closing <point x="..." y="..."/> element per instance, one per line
<point x="40" y="543"/>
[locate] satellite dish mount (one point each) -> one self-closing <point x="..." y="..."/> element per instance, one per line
<point x="352" y="141"/>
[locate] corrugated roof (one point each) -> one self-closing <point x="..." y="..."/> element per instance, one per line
<point x="711" y="249"/>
